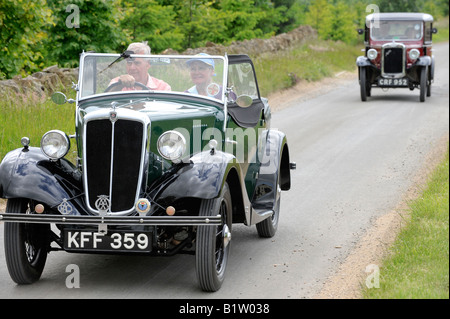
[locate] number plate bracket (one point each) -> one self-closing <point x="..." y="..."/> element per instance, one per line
<point x="103" y="229"/>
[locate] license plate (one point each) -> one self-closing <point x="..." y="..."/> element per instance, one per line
<point x="79" y="240"/>
<point x="393" y="82"/>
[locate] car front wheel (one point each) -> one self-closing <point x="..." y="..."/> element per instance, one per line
<point x="213" y="242"/>
<point x="363" y="84"/>
<point x="26" y="245"/>
<point x="423" y="83"/>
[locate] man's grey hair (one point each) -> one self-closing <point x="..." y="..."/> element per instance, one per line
<point x="140" y="48"/>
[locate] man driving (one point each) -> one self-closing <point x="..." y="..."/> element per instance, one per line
<point x="137" y="71"/>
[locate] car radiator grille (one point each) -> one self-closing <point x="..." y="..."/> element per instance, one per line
<point x="113" y="160"/>
<point x="393" y="60"/>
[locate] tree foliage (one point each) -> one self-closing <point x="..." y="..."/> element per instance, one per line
<point x="35" y="34"/>
<point x="21" y="32"/>
<point x="147" y="20"/>
<point x="98" y="30"/>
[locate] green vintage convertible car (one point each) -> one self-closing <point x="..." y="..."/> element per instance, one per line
<point x="162" y="168"/>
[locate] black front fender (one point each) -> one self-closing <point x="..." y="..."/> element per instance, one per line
<point x="202" y="178"/>
<point x="363" y="61"/>
<point x="424" y="61"/>
<point x="274" y="170"/>
<point x="28" y="173"/>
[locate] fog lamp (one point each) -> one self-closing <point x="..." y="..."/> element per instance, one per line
<point x="25" y="141"/>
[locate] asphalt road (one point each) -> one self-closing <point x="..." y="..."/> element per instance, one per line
<point x="354" y="162"/>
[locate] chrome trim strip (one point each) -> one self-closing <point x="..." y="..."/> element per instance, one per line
<point x="224" y="95"/>
<point x="112" y="220"/>
<point x="111" y="170"/>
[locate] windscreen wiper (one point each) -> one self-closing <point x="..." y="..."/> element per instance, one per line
<point x="125" y="55"/>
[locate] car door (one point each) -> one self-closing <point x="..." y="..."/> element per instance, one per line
<point x="245" y="123"/>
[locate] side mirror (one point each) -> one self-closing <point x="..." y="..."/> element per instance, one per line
<point x="434" y="30"/>
<point x="244" y="101"/>
<point x="60" y="98"/>
<point x="360" y="31"/>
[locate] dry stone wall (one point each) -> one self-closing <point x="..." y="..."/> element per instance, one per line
<point x="40" y="83"/>
<point x="255" y="47"/>
<point x="52" y="78"/>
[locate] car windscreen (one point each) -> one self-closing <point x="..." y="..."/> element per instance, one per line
<point x="200" y="75"/>
<point x="396" y="30"/>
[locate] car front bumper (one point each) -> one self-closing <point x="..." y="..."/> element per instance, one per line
<point x="112" y="220"/>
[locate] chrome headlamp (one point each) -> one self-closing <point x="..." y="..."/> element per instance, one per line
<point x="172" y="145"/>
<point x="414" y="54"/>
<point x="55" y="144"/>
<point x="372" y="54"/>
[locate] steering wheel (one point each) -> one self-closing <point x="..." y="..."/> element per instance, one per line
<point x="118" y="86"/>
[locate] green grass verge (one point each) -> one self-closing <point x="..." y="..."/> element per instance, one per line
<point x="311" y="61"/>
<point x="442" y="26"/>
<point x="32" y="116"/>
<point x="418" y="267"/>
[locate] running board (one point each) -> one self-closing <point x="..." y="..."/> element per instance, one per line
<point x="259" y="215"/>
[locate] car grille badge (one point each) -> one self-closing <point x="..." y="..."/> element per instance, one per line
<point x="65" y="208"/>
<point x="103" y="205"/>
<point x="113" y="116"/>
<point x="143" y="206"/>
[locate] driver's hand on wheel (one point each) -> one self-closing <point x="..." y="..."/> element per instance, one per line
<point x="127" y="80"/>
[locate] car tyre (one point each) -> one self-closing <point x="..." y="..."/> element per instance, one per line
<point x="26" y="245"/>
<point x="213" y="242"/>
<point x="363" y="84"/>
<point x="423" y="83"/>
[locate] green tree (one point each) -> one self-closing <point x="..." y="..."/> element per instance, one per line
<point x="22" y="25"/>
<point x="343" y="26"/>
<point x="201" y="21"/>
<point x="320" y="17"/>
<point x="247" y="19"/>
<point x="98" y="30"/>
<point x="150" y="21"/>
<point x="399" y="6"/>
<point x="292" y="11"/>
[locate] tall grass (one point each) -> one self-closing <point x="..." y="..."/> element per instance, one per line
<point x="311" y="62"/>
<point x="442" y="26"/>
<point x="32" y="116"/>
<point x="419" y="265"/>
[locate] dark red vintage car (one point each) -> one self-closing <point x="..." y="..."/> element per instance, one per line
<point x="398" y="53"/>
